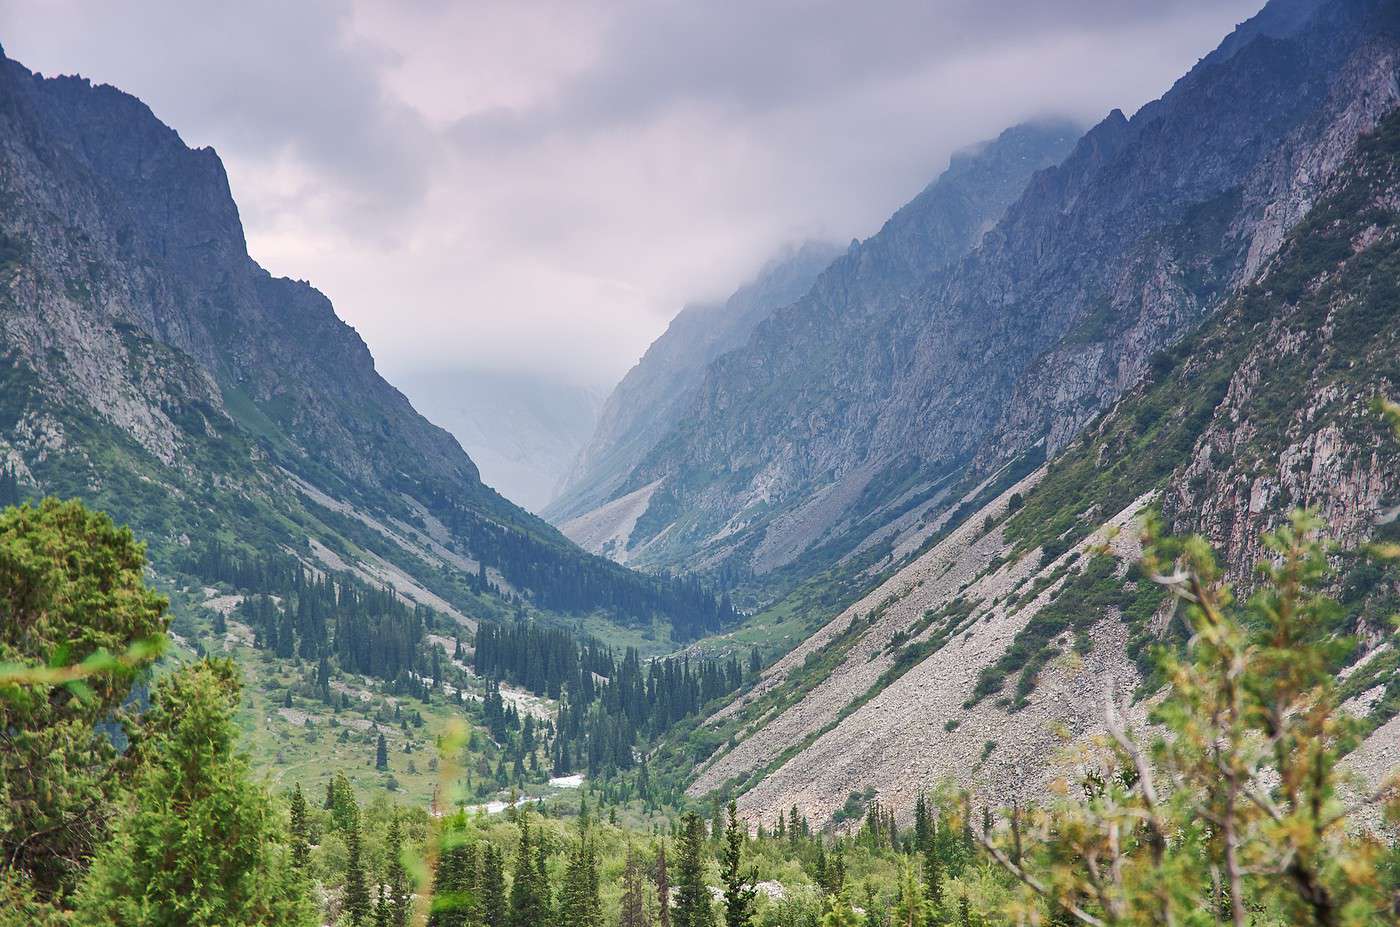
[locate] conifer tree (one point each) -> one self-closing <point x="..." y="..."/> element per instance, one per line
<point x="579" y="903"/>
<point x="345" y="812"/>
<point x="381" y="754"/>
<point x="529" y="892"/>
<point x="933" y="883"/>
<point x="839" y="913"/>
<point x="72" y="583"/>
<point x="356" y="892"/>
<point x="632" y="909"/>
<point x="300" y="831"/>
<point x="381" y="907"/>
<point x="453" y="876"/>
<point x="693" y="907"/>
<point x="400" y="889"/>
<point x="493" y="889"/>
<point x="191" y="790"/>
<point x="739" y="890"/>
<point x="663" y="886"/>
<point x="909" y="909"/>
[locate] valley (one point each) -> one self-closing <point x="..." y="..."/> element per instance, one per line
<point x="1032" y="560"/>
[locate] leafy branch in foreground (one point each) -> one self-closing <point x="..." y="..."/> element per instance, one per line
<point x="1233" y="809"/>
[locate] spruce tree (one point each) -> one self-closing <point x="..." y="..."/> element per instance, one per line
<point x="356" y="892"/>
<point x="381" y="907"/>
<point x="739" y="890"/>
<point x="381" y="754"/>
<point x="529" y="892"/>
<point x="400" y="889"/>
<point x="693" y="908"/>
<point x="910" y="908"/>
<point x="933" y="883"/>
<point x="493" y="889"/>
<point x="663" y="886"/>
<point x="839" y="913"/>
<point x="579" y="904"/>
<point x="453" y="876"/>
<point x="632" y="909"/>
<point x="191" y="793"/>
<point x="300" y="830"/>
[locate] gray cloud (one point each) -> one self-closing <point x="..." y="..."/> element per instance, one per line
<point x="538" y="186"/>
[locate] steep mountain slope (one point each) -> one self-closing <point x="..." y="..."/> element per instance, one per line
<point x="152" y="368"/>
<point x="938" y="227"/>
<point x="851" y="403"/>
<point x="654" y="393"/>
<point x="521" y="429"/>
<point x="995" y="648"/>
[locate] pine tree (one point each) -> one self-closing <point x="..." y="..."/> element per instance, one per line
<point x="663" y="887"/>
<point x="933" y="883"/>
<point x="344" y="810"/>
<point x="693" y="908"/>
<point x="190" y="782"/>
<point x="381" y="754"/>
<point x="739" y="891"/>
<point x="493" y="889"/>
<point x="579" y="903"/>
<point x="909" y="908"/>
<point x="839" y="913"/>
<point x="452" y="877"/>
<point x="300" y="831"/>
<point x="381" y="907"/>
<point x="529" y="892"/>
<point x="400" y="888"/>
<point x="356" y="892"/>
<point x="632" y="908"/>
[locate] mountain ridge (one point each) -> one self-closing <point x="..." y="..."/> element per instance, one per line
<point x="153" y="368"/>
<point x="1129" y="243"/>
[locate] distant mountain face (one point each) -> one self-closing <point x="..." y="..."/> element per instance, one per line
<point x="984" y="652"/>
<point x="605" y="496"/>
<point x="654" y="393"/>
<point x="522" y="430"/>
<point x="151" y="367"/>
<point x="854" y="418"/>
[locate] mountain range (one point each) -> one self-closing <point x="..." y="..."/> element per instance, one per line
<point x="149" y="366"/>
<point x="919" y="463"/>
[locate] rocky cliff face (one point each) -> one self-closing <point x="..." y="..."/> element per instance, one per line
<point x="938" y="227"/>
<point x="858" y="404"/>
<point x="151" y="367"/>
<point x="993" y="650"/>
<point x="654" y="394"/>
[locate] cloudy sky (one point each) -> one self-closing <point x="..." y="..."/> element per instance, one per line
<point x="538" y="187"/>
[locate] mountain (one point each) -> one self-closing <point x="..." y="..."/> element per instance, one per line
<point x="522" y="430"/>
<point x="625" y="471"/>
<point x="654" y="393"/>
<point x="853" y="408"/>
<point x="1246" y="257"/>
<point x="149" y="366"/>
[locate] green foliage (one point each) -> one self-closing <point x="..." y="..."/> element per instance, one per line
<point x="1234" y="807"/>
<point x="72" y="591"/>
<point x="579" y="902"/>
<point x="738" y="887"/>
<point x="1093" y="592"/>
<point x="199" y="844"/>
<point x="693" y="907"/>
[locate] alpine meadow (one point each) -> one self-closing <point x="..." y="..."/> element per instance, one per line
<point x="1031" y="560"/>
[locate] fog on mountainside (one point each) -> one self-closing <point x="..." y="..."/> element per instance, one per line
<point x="522" y="431"/>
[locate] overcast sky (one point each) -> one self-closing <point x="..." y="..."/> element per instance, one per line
<point x="539" y="187"/>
